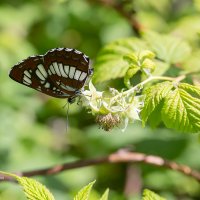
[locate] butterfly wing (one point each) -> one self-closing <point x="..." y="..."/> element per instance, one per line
<point x="31" y="72"/>
<point x="69" y="67"/>
<point x="59" y="73"/>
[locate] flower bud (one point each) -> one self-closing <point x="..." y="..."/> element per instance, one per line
<point x="108" y="121"/>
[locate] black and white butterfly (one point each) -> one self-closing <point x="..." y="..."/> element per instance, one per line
<point x="61" y="72"/>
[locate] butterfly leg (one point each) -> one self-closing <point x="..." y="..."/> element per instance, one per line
<point x="72" y="98"/>
<point x="91" y="71"/>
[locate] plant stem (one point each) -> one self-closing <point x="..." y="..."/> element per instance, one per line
<point x="120" y="156"/>
<point x="192" y="73"/>
<point x="144" y="82"/>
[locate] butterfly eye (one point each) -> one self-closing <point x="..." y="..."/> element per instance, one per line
<point x="61" y="72"/>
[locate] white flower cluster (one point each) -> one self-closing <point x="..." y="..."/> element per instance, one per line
<point x="113" y="109"/>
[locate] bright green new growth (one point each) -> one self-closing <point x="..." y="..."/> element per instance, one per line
<point x="149" y="195"/>
<point x="36" y="191"/>
<point x="154" y="96"/>
<point x="139" y="61"/>
<point x="178" y="106"/>
<point x="105" y="195"/>
<point x="84" y="193"/>
<point x="110" y="63"/>
<point x="181" y="108"/>
<point x="32" y="188"/>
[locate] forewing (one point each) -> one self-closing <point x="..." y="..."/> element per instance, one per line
<point x="32" y="72"/>
<point x="69" y="67"/>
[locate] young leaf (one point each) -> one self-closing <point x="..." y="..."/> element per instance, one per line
<point x="105" y="195"/>
<point x="149" y="195"/>
<point x="153" y="97"/>
<point x="181" y="109"/>
<point x="34" y="190"/>
<point x="168" y="48"/>
<point x="84" y="193"/>
<point x="191" y="89"/>
<point x="110" y="63"/>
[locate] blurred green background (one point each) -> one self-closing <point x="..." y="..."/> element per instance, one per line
<point x="33" y="126"/>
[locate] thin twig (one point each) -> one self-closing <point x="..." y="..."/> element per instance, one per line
<point x="121" y="156"/>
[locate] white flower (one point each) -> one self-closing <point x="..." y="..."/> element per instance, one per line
<point x="92" y="98"/>
<point x="113" y="109"/>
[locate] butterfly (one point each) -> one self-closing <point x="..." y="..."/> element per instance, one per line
<point x="60" y="73"/>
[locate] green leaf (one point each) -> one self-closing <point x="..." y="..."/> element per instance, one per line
<point x="181" y="109"/>
<point x="167" y="48"/>
<point x="131" y="58"/>
<point x="192" y="63"/>
<point x="34" y="190"/>
<point x="129" y="74"/>
<point x="156" y="118"/>
<point x="105" y="195"/>
<point x="146" y="54"/>
<point x="154" y="96"/>
<point x="110" y="63"/>
<point x="178" y="108"/>
<point x="84" y="193"/>
<point x="191" y="89"/>
<point x="161" y="67"/>
<point x="149" y="195"/>
<point x="188" y="28"/>
<point x="148" y="65"/>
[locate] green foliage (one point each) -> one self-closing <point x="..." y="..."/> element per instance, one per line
<point x="139" y="61"/>
<point x="154" y="97"/>
<point x="34" y="190"/>
<point x="84" y="193"/>
<point x="105" y="195"/>
<point x="110" y="63"/>
<point x="181" y="108"/>
<point x="192" y="61"/>
<point x="149" y="195"/>
<point x="167" y="48"/>
<point x="31" y="123"/>
<point x="166" y="101"/>
<point x="178" y="106"/>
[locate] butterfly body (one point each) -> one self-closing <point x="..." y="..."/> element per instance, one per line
<point x="60" y="73"/>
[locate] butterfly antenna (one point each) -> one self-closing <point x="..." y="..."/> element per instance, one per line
<point x="65" y="105"/>
<point x="67" y="116"/>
